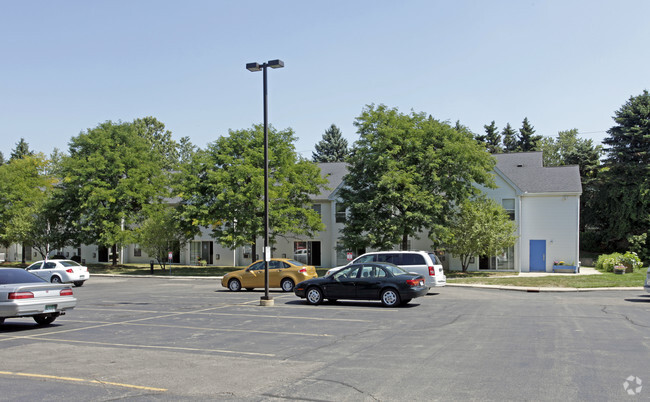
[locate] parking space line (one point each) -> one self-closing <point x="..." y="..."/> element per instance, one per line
<point x="54" y="377"/>
<point x="207" y="312"/>
<point x="213" y="329"/>
<point x="155" y="347"/>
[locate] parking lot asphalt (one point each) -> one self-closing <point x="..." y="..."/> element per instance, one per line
<point x="190" y="339"/>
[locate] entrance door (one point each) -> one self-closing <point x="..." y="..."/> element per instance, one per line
<point x="103" y="254"/>
<point x="206" y="252"/>
<point x="314" y="253"/>
<point x="537" y="256"/>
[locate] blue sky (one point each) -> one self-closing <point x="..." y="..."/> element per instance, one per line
<point x="67" y="66"/>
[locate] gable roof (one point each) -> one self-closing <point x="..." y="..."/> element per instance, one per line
<point x="526" y="171"/>
<point x="333" y="172"/>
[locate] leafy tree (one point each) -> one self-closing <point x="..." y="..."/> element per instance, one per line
<point x="186" y="150"/>
<point x="510" y="142"/>
<point x="528" y="141"/>
<point x="332" y="148"/>
<point x="224" y="188"/>
<point x="492" y="138"/>
<point x="22" y="150"/>
<point x="161" y="232"/>
<point x="482" y="227"/>
<point x="2" y="159"/>
<point x="160" y="140"/>
<point x="23" y="191"/>
<point x="110" y="175"/>
<point x="406" y="172"/>
<point x="620" y="208"/>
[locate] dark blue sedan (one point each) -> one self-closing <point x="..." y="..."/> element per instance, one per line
<point x="366" y="281"/>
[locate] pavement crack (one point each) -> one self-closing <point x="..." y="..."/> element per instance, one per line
<point x="628" y="319"/>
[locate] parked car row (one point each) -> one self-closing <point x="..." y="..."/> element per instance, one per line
<point x="394" y="278"/>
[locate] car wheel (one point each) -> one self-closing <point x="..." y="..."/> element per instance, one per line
<point x="55" y="279"/>
<point x="390" y="297"/>
<point x="314" y="296"/>
<point x="234" y="285"/>
<point x="406" y="301"/>
<point x="79" y="284"/>
<point x="45" y="319"/>
<point x="286" y="285"/>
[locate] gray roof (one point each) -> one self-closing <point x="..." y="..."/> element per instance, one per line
<point x="527" y="172"/>
<point x="333" y="172"/>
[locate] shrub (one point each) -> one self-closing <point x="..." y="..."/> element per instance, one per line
<point x="607" y="262"/>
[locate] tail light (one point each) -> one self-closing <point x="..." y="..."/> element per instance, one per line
<point x="20" y="295"/>
<point x="65" y="292"/>
<point x="303" y="270"/>
<point x="414" y="282"/>
<point x="69" y="270"/>
<point x="432" y="271"/>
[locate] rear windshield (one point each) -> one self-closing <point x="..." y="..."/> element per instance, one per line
<point x="9" y="276"/>
<point x="69" y="263"/>
<point x="435" y="259"/>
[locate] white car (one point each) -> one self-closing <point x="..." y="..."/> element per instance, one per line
<point x="647" y="281"/>
<point x="424" y="263"/>
<point x="23" y="294"/>
<point x="60" y="271"/>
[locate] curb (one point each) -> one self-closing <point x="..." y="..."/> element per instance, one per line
<point x="540" y="289"/>
<point x="459" y="285"/>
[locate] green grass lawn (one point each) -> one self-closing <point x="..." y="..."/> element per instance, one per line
<point x="607" y="279"/>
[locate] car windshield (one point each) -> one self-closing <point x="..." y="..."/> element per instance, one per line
<point x="69" y="263"/>
<point x="296" y="263"/>
<point x="9" y="276"/>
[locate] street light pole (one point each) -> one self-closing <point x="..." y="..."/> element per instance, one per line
<point x="266" y="300"/>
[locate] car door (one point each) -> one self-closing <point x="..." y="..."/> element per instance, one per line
<point x="36" y="269"/>
<point x="253" y="277"/>
<point x="343" y="283"/>
<point x="49" y="267"/>
<point x="369" y="282"/>
<point x="275" y="272"/>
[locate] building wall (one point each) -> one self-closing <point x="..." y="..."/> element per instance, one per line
<point x="554" y="219"/>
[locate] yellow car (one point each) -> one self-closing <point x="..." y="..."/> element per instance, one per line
<point x="283" y="273"/>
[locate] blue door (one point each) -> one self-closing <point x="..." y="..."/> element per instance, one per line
<point x="538" y="256"/>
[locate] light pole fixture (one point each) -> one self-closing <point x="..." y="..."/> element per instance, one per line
<point x="266" y="300"/>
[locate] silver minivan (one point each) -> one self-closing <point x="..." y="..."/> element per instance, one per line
<point x="424" y="263"/>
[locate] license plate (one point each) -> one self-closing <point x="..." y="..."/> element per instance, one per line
<point x="50" y="308"/>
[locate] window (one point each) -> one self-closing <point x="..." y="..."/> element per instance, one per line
<point x="316" y="207"/>
<point x="509" y="205"/>
<point x="137" y="251"/>
<point x="340" y="213"/>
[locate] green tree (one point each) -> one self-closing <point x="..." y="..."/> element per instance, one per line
<point x="110" y="175"/>
<point x="160" y="140"/>
<point x="332" y="148"/>
<point x="406" y="172"/>
<point x="224" y="188"/>
<point x="162" y="232"/>
<point x="621" y="205"/>
<point x="528" y="141"/>
<point x="22" y="150"/>
<point x="2" y="159"/>
<point x="482" y="227"/>
<point x="492" y="138"/>
<point x="510" y="143"/>
<point x="23" y="192"/>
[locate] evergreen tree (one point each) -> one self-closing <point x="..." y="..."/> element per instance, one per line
<point x="21" y="150"/>
<point x="621" y="205"/>
<point x="2" y="159"/>
<point x="510" y="143"/>
<point x="332" y="148"/>
<point x="492" y="138"/>
<point x="528" y="141"/>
